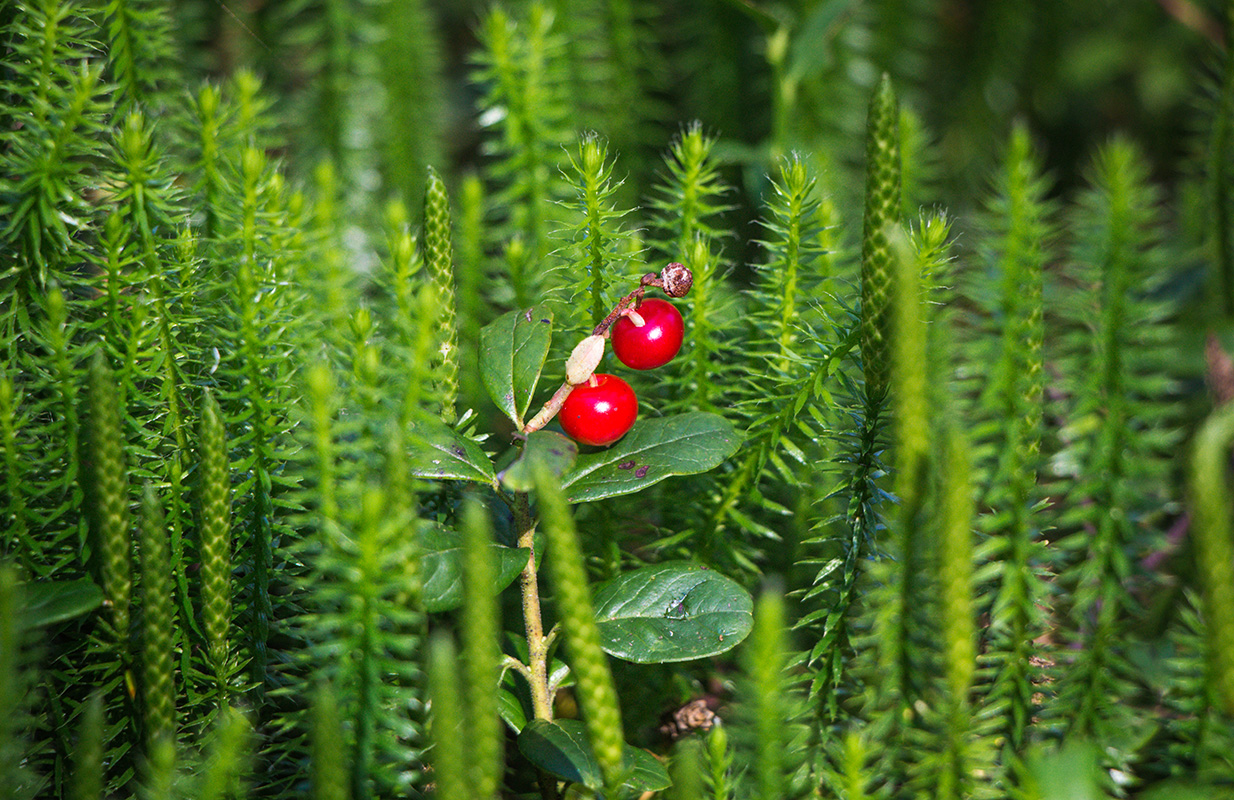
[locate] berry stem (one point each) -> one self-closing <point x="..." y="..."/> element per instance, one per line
<point x="550" y="408"/>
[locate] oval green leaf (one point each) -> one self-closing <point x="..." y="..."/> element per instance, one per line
<point x="555" y="450"/>
<point x="438" y="451"/>
<point x="512" y="352"/>
<point x="48" y="602"/>
<point x="653" y="450"/>
<point x="672" y="612"/>
<point x="441" y="567"/>
<point x="561" y="747"/>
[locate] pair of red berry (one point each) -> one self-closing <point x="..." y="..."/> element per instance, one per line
<point x="601" y="410"/>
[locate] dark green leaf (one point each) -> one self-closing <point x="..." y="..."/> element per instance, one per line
<point x="441" y="567"/>
<point x="438" y="451"/>
<point x="49" y="602"/>
<point x="555" y="450"/>
<point x="672" y="612"/>
<point x="561" y="747"/>
<point x="514" y="700"/>
<point x="512" y="352"/>
<point x="653" y="450"/>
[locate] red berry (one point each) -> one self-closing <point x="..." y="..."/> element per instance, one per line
<point x="599" y="411"/>
<point x="654" y="343"/>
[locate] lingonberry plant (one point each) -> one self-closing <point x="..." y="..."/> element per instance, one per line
<point x="309" y="482"/>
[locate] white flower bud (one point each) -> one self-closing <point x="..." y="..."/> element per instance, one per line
<point x="583" y="361"/>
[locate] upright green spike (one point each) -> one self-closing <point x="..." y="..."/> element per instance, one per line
<point x="321" y="390"/>
<point x="909" y="379"/>
<point x="596" y="693"/>
<point x="957" y="625"/>
<point x="215" y="539"/>
<point x="686" y="769"/>
<point x="413" y="120"/>
<point x="108" y="490"/>
<point x="1023" y="248"/>
<point x="329" y="773"/>
<point x="1214" y="546"/>
<point x="158" y="686"/>
<point x="438" y="252"/>
<point x="88" y="768"/>
<point x="855" y="775"/>
<point x="449" y="758"/>
<point x="13" y="684"/>
<point x="765" y="661"/>
<point x="16" y="525"/>
<point x="470" y="274"/>
<point x="227" y="758"/>
<point x="481" y="656"/>
<point x="882" y="214"/>
<point x="591" y="172"/>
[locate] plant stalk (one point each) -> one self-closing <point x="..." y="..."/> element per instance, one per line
<point x="536" y="671"/>
<point x="537" y="643"/>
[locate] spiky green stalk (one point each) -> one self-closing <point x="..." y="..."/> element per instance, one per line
<point x="1023" y="248"/>
<point x="765" y="657"/>
<point x="900" y="668"/>
<point x="854" y="774"/>
<point x="596" y="693"/>
<point x="257" y="394"/>
<point x="882" y="215"/>
<point x="720" y="759"/>
<point x="59" y="340"/>
<point x="16" y="525"/>
<point x="208" y="167"/>
<point x="592" y="173"/>
<point x="329" y="772"/>
<point x="138" y="44"/>
<point x="214" y="545"/>
<point x="88" y="764"/>
<point x="321" y="417"/>
<point x="450" y="766"/>
<point x="109" y="492"/>
<point x="471" y="276"/>
<point x="438" y="254"/>
<point x="14" y="682"/>
<point x="413" y="121"/>
<point x="688" y="202"/>
<point x="956" y="619"/>
<point x="792" y="220"/>
<point x="524" y="81"/>
<point x="227" y="759"/>
<point x="481" y="656"/>
<point x="909" y="376"/>
<point x="368" y="621"/>
<point x="686" y="770"/>
<point x="158" y="686"/>
<point x="1214" y="546"/>
<point x="704" y="332"/>
<point x="1122" y="239"/>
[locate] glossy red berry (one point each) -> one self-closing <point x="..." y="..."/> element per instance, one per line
<point x="599" y="411"/>
<point x="654" y="343"/>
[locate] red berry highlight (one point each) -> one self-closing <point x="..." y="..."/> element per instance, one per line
<point x="600" y="411"/>
<point x="654" y="343"/>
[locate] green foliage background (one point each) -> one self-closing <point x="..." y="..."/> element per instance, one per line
<point x="964" y="276"/>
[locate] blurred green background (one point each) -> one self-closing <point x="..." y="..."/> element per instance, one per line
<point x="764" y="77"/>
